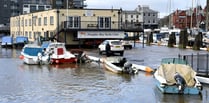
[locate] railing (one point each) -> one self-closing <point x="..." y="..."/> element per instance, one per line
<point x="199" y="62"/>
<point x="97" y="25"/>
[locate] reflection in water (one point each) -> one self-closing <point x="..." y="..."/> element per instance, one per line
<point x="9" y="53"/>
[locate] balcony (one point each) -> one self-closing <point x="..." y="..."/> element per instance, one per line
<point x="95" y="25"/>
<point x="91" y="25"/>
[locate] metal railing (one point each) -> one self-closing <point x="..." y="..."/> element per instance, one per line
<point x="199" y="62"/>
<point x="96" y="25"/>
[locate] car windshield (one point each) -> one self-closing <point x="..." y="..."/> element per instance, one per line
<point x="116" y="43"/>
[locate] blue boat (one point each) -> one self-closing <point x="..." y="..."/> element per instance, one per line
<point x="175" y="76"/>
<point x="20" y="41"/>
<point x="7" y="41"/>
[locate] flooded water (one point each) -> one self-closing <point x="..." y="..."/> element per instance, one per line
<point x="88" y="83"/>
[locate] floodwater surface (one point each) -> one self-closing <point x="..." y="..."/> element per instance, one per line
<point x="88" y="83"/>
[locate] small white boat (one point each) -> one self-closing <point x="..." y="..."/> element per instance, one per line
<point x="121" y="65"/>
<point x="175" y="76"/>
<point x="32" y="54"/>
<point x="203" y="79"/>
<point x="48" y="53"/>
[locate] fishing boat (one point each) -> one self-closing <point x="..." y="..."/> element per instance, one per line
<point x="121" y="65"/>
<point x="175" y="76"/>
<point x="48" y="53"/>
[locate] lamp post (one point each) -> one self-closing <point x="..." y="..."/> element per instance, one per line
<point x="58" y="24"/>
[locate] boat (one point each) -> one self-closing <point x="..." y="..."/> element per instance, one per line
<point x="32" y="54"/>
<point x="121" y="65"/>
<point x="175" y="76"/>
<point x="20" y="41"/>
<point x="7" y="41"/>
<point x="203" y="79"/>
<point x="47" y="53"/>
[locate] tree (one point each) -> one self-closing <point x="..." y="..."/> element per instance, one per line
<point x="183" y="39"/>
<point x="198" y="41"/>
<point x="172" y="40"/>
<point x="149" y="38"/>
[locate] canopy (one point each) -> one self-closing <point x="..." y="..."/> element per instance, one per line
<point x="168" y="71"/>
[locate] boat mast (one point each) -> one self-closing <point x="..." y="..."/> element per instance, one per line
<point x="169" y="25"/>
<point x="191" y="15"/>
<point x="206" y="23"/>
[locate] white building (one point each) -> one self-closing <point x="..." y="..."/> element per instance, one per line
<point x="142" y="15"/>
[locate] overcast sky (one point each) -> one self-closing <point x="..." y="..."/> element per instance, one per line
<point x="162" y="6"/>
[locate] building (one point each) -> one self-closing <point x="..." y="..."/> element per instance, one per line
<point x="149" y="16"/>
<point x="191" y="18"/>
<point x="72" y="26"/>
<point x="188" y="18"/>
<point x="143" y="16"/>
<point x="63" y="4"/>
<point x="30" y="8"/>
<point x="9" y="8"/>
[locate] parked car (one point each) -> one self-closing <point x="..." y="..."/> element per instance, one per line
<point x="116" y="46"/>
<point x="127" y="44"/>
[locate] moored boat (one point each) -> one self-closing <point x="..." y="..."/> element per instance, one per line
<point x="32" y="54"/>
<point x="121" y="65"/>
<point x="48" y="53"/>
<point x="203" y="79"/>
<point x="175" y="76"/>
<point x="7" y="41"/>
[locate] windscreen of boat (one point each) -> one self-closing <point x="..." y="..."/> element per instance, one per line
<point x="32" y="51"/>
<point x="45" y="44"/>
<point x="116" y="42"/>
<point x="167" y="71"/>
<point x="173" y="61"/>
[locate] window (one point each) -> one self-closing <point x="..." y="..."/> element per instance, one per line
<point x="30" y="36"/>
<point x="45" y="20"/>
<point x="51" y="20"/>
<point x="26" y="34"/>
<point x="153" y="21"/>
<point x="34" y="21"/>
<point x="30" y="23"/>
<point x="39" y="21"/>
<point x="148" y="14"/>
<point x="26" y="21"/>
<point x="104" y="22"/>
<point x="74" y="22"/>
<point x="22" y="22"/>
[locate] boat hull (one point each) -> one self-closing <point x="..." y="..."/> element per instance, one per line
<point x="173" y="89"/>
<point x="63" y="60"/>
<point x="202" y="79"/>
<point x="111" y="67"/>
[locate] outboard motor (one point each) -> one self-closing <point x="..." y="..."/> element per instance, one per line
<point x="122" y="62"/>
<point x="180" y="81"/>
<point x="128" y="68"/>
<point x="39" y="58"/>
